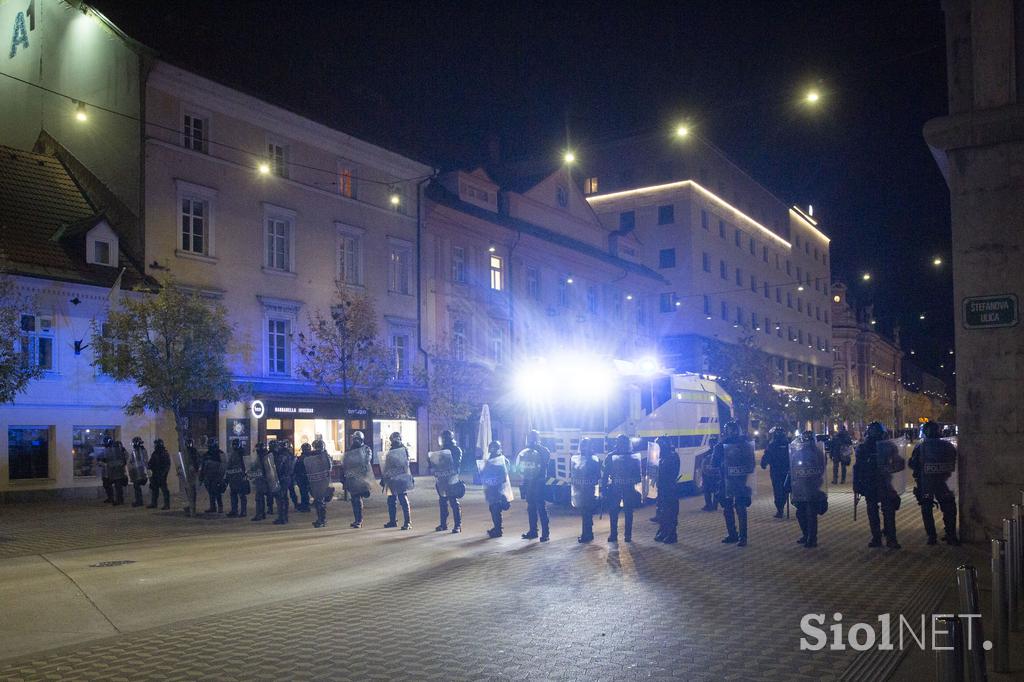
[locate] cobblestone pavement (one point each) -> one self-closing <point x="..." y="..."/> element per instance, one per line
<point x="517" y="610"/>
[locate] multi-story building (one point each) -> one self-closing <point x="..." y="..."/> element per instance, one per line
<point x="269" y="213"/>
<point x="740" y="265"/>
<point x="866" y="365"/>
<point x="65" y="255"/>
<point x="525" y="274"/>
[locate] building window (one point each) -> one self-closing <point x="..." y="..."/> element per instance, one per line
<point x="753" y="284"/>
<point x="825" y="315"/>
<point x="764" y="253"/>
<point x="590" y="186"/>
<point x="459" y="334"/>
<point x="563" y="292"/>
<point x="562" y="196"/>
<point x="739" y="315"/>
<point x="459" y="265"/>
<point x="496" y="273"/>
<point x="765" y="287"/>
<point x="592" y="300"/>
<point x="705" y="262"/>
<point x="817" y="313"/>
<point x="778" y="295"/>
<point x="704" y="220"/>
<point x="707" y="306"/>
<point x="28" y="452"/>
<point x="349" y="259"/>
<point x="667" y="258"/>
<point x="279" y="244"/>
<point x="641" y="314"/>
<point x="400" y="351"/>
<point x="277" y="347"/>
<point x="194" y="217"/>
<point x="666" y="214"/>
<point x="753" y="247"/>
<point x="799" y="304"/>
<point x="737" y="237"/>
<point x="776" y="261"/>
<point x="195" y="133"/>
<point x="799" y="275"/>
<point x="753" y="322"/>
<point x="277" y="157"/>
<point x="796" y="237"/>
<point x="789" y="300"/>
<point x="789" y="268"/>
<point x="37" y="342"/>
<point x="617" y="304"/>
<point x="85" y="440"/>
<point x="725" y="311"/>
<point x="721" y="229"/>
<point x="627" y="220"/>
<point x="739" y="277"/>
<point x="723" y="272"/>
<point x="533" y="283"/>
<point x="497" y="344"/>
<point x="767" y="325"/>
<point x="400" y="269"/>
<point x="667" y="302"/>
<point x="345" y="186"/>
<point x="101" y="252"/>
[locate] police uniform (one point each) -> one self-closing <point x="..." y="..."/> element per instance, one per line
<point x="211" y="471"/>
<point x="668" y="493"/>
<point x="933" y="462"/>
<point x="534" y="464"/>
<point x="445" y="496"/>
<point x="776" y="456"/>
<point x="621" y="475"/>
<point x="735" y="495"/>
<point x="837" y="445"/>
<point x="238" y="482"/>
<point x="868" y="483"/>
<point x="284" y="460"/>
<point x="159" y="468"/>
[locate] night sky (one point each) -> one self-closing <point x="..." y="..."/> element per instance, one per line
<point x="438" y="80"/>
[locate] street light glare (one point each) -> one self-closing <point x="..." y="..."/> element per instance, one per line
<point x="569" y="157"/>
<point x="682" y="131"/>
<point x="80" y="113"/>
<point x="937" y="261"/>
<point x="866" y="276"/>
<point x="263" y="168"/>
<point x="395" y="200"/>
<point x="647" y="366"/>
<point x="812" y="96"/>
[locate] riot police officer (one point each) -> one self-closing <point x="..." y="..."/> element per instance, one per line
<point x="284" y="461"/>
<point x="586" y="481"/>
<point x="301" y="501"/>
<point x="710" y="477"/>
<point x="238" y="482"/>
<point x="264" y="479"/>
<point x="839" y="450"/>
<point x="318" y="470"/>
<point x="621" y="478"/>
<point x="159" y="468"/>
<point x="357" y="465"/>
<point x="497" y="487"/>
<point x="734" y="457"/>
<point x="533" y="464"/>
<point x="932" y="462"/>
<point x="211" y="473"/>
<point x="870" y="483"/>
<point x="101" y="463"/>
<point x="397" y="480"/>
<point x="776" y="456"/>
<point x="668" y="492"/>
<point x="807" y="475"/>
<point x="137" y="469"/>
<point x="446" y="483"/>
<point x="116" y="460"/>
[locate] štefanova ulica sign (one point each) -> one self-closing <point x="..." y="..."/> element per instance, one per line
<point x="991" y="312"/>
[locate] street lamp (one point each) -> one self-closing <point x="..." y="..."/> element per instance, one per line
<point x="80" y="114"/>
<point x="866" y="277"/>
<point x="263" y="168"/>
<point x="682" y="131"/>
<point x="812" y="96"/>
<point x="937" y="261"/>
<point x="569" y="157"/>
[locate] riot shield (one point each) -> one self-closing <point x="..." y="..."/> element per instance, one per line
<point x="528" y="466"/>
<point x="650" y="487"/>
<point x="270" y="473"/>
<point x="938" y="466"/>
<point x="396" y="471"/>
<point x="806" y="471"/>
<point x="445" y="476"/>
<point x="137" y="459"/>
<point x="318" y="472"/>
<point x="358" y="469"/>
<point x="186" y="481"/>
<point x="892" y="467"/>
<point x="738" y="469"/>
<point x="494" y="476"/>
<point x="585" y="482"/>
<point x="626" y="479"/>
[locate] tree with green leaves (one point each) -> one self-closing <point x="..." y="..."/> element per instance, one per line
<point x="745" y="372"/>
<point x="15" y="370"/>
<point x="850" y="410"/>
<point x="173" y="345"/>
<point x="343" y="353"/>
<point x="812" y="406"/>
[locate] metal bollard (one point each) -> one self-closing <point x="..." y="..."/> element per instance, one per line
<point x="1010" y="569"/>
<point x="1017" y="516"/>
<point x="949" y="650"/>
<point x="967" y="592"/>
<point x="1000" y="607"/>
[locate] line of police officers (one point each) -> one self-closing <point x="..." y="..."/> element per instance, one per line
<point x="611" y="482"/>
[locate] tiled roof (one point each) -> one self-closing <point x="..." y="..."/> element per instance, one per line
<point x="43" y="215"/>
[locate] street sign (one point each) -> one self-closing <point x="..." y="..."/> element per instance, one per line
<point x="990" y="312"/>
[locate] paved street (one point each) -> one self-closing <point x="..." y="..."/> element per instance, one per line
<point x="224" y="599"/>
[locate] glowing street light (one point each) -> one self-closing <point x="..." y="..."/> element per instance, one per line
<point x="866" y="277"/>
<point x="491" y="248"/>
<point x="836" y="299"/>
<point x="647" y="366"/>
<point x="921" y="316"/>
<point x="263" y="168"/>
<point x="937" y="261"/>
<point x="569" y="157"/>
<point x="682" y="131"/>
<point x="80" y="113"/>
<point x="812" y="97"/>
<point x="395" y="200"/>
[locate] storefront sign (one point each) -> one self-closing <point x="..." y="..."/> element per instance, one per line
<point x="305" y="409"/>
<point x="258" y="409"/>
<point x="991" y="312"/>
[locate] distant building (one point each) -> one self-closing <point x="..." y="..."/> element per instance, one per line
<point x="64" y="253"/>
<point x="979" y="148"/>
<point x="739" y="263"/>
<point x="866" y="365"/>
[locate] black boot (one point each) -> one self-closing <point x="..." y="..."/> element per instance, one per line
<point x="613" y="522"/>
<point x="742" y="513"/>
<point x="442" y="506"/>
<point x="730" y="526"/>
<point x="456" y="516"/>
<point x="495" y="531"/>
<point x="406" y="512"/>
<point x="628" y="533"/>
<point x="167" y="498"/>
<point x="244" y="501"/>
<point x="392" y="512"/>
<point x="155" y="496"/>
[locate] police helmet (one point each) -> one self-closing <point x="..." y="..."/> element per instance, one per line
<point x="358" y="436"/>
<point x="533" y="437"/>
<point x="137" y="441"/>
<point x="447" y="437"/>
<point x="623" y="444"/>
<point x="494" y="448"/>
<point x="876" y="431"/>
<point x="731" y="430"/>
<point x="108" y="441"/>
<point x="931" y="430"/>
<point x="585" y="445"/>
<point x="318" y="444"/>
<point x="306" y="448"/>
<point x="158" y="443"/>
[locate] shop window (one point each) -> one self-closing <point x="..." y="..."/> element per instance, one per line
<point x="28" y="452"/>
<point x="85" y="441"/>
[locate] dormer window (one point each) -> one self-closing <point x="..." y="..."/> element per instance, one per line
<point x="101" y="245"/>
<point x="101" y="252"/>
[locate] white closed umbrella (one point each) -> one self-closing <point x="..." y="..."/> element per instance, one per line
<point x="483" y="435"/>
